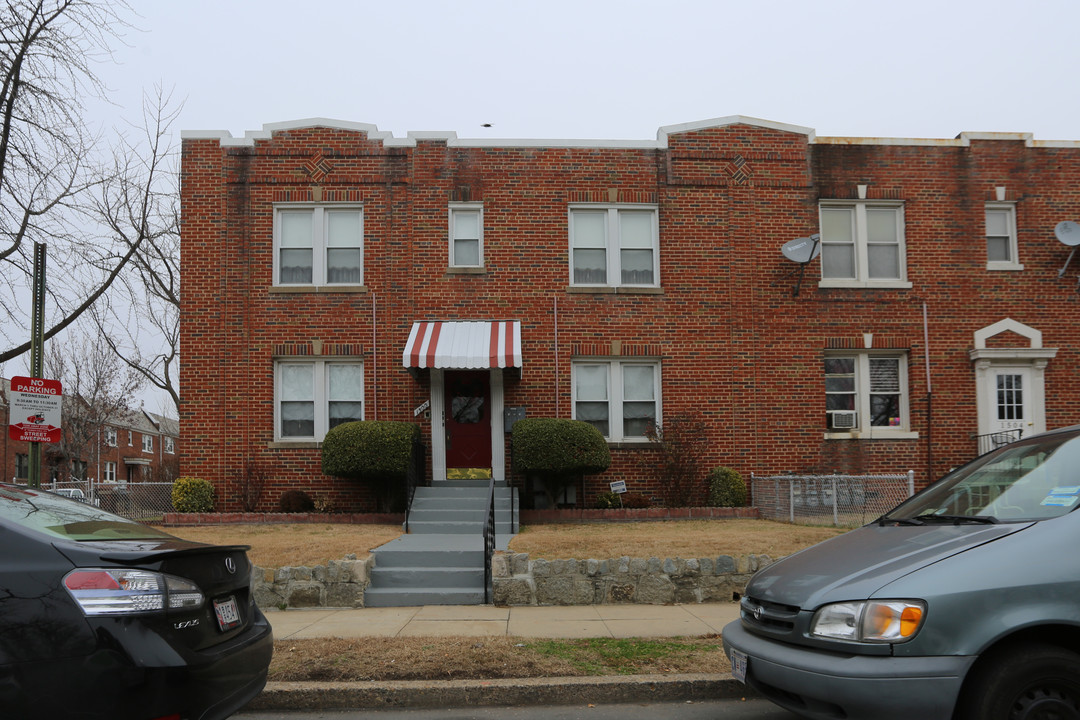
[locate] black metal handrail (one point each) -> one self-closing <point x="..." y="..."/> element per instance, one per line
<point x="994" y="440"/>
<point x="489" y="540"/>
<point x="412" y="479"/>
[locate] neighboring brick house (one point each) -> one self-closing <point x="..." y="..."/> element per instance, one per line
<point x="135" y="446"/>
<point x="333" y="272"/>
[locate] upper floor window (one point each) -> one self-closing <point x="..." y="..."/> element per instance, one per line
<point x="617" y="245"/>
<point x="318" y="245"/>
<point x="314" y="396"/>
<point x="866" y="392"/>
<point x="1001" y="250"/>
<point x="148" y="443"/>
<point x="168" y="444"/>
<point x="131" y="440"/>
<point x="620" y="398"/>
<point x="862" y="244"/>
<point x="110" y="436"/>
<point x="467" y="235"/>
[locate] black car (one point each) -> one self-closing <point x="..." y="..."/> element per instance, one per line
<point x="103" y="617"/>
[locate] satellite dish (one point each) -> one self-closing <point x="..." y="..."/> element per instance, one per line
<point x="1068" y="233"/>
<point x="803" y="250"/>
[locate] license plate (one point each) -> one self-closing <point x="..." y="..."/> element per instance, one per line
<point x="228" y="616"/>
<point x="739" y="663"/>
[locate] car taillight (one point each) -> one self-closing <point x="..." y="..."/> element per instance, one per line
<point x="118" y="591"/>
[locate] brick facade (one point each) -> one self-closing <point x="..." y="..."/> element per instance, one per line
<point x="734" y="342"/>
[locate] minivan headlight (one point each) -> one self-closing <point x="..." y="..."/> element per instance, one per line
<point x="888" y="621"/>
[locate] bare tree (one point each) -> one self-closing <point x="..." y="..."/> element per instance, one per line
<point x="140" y="322"/>
<point x="52" y="187"/>
<point x="98" y="389"/>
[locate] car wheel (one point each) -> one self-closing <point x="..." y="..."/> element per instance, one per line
<point x="1025" y="682"/>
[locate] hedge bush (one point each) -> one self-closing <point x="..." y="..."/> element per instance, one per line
<point x="370" y="449"/>
<point x="192" y="495"/>
<point x="726" y="488"/>
<point x="558" y="447"/>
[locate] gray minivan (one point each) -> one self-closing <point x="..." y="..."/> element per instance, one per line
<point x="962" y="602"/>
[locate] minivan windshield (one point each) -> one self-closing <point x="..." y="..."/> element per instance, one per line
<point x="1034" y="479"/>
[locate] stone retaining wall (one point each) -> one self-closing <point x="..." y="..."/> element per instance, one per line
<point x="338" y="584"/>
<point x="517" y="580"/>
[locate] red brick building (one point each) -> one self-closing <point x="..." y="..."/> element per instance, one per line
<point x="334" y="272"/>
<point x="135" y="446"/>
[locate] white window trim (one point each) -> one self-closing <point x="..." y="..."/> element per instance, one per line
<point x="864" y="430"/>
<point x="615" y="400"/>
<point x="319" y="246"/>
<point x="111" y="437"/>
<point x="862" y="272"/>
<point x="169" y="445"/>
<point x="109" y="471"/>
<point x="148" y="443"/>
<point x="612" y="245"/>
<point x="1008" y="265"/>
<point x="321" y="399"/>
<point x="477" y="207"/>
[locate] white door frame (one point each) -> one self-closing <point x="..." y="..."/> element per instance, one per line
<point x="438" y="424"/>
<point x="988" y="361"/>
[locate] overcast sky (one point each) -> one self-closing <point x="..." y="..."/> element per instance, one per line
<point x="614" y="70"/>
<point x="599" y="69"/>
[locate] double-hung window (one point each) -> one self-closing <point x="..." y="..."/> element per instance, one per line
<point x="466" y="235"/>
<point x="148" y="443"/>
<point x="620" y="398"/>
<point x="614" y="246"/>
<point x="318" y="245"/>
<point x="866" y="393"/>
<point x="862" y="244"/>
<point x="109" y="472"/>
<point x="169" y="445"/>
<point x="1001" y="250"/>
<point x="110" y="436"/>
<point x="312" y="397"/>
<point x="22" y="466"/>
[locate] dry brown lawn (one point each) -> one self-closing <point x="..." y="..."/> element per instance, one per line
<point x="672" y="538"/>
<point x="293" y="545"/>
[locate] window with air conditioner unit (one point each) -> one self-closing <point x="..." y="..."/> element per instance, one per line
<point x="866" y="393"/>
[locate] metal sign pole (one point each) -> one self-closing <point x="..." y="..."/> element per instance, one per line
<point x="37" y="342"/>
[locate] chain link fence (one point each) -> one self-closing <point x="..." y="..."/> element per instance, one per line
<point x="840" y="500"/>
<point x="142" y="501"/>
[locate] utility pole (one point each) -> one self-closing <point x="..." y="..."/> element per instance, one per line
<point x="37" y="351"/>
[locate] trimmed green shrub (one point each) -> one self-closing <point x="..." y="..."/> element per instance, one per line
<point x="726" y="488"/>
<point x="192" y="495"/>
<point x="556" y="446"/>
<point x="558" y="452"/>
<point x="295" y="501"/>
<point x="370" y="449"/>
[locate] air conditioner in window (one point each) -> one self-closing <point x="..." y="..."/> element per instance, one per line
<point x="844" y="419"/>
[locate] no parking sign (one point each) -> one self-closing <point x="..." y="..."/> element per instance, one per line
<point x="35" y="410"/>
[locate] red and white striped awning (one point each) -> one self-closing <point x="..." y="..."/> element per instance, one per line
<point x="472" y="345"/>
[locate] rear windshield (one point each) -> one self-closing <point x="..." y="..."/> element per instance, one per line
<point x="1034" y="479"/>
<point x="69" y="519"/>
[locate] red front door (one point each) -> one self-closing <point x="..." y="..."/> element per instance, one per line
<point x="468" y="419"/>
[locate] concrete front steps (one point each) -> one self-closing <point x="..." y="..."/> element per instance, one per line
<point x="441" y="559"/>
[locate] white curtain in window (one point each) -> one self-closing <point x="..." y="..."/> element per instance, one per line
<point x="883" y="243"/>
<point x="590" y="243"/>
<point x="346" y="393"/>
<point x="297" y="400"/>
<point x="838" y="242"/>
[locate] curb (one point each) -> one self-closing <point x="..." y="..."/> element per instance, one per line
<point x="473" y="693"/>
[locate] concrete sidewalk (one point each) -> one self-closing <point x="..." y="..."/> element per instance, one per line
<point x="577" y="621"/>
<point x="574" y="621"/>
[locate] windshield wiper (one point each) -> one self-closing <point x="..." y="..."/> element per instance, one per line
<point x="958" y="519"/>
<point x="900" y="521"/>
